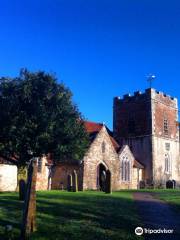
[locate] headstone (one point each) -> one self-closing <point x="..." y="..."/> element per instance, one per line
<point x="49" y="177"/>
<point x="108" y="188"/>
<point x="169" y="184"/>
<point x="61" y="185"/>
<point x="75" y="181"/>
<point x="22" y="189"/>
<point x="69" y="183"/>
<point x="142" y="184"/>
<point x="29" y="211"/>
<point x="174" y="184"/>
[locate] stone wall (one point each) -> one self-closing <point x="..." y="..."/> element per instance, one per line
<point x="141" y="148"/>
<point x="101" y="151"/>
<point x="135" y="173"/>
<point x="8" y="177"/>
<point x="160" y="176"/>
<point x="95" y="156"/>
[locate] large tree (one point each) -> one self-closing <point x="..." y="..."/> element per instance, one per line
<point x="37" y="117"/>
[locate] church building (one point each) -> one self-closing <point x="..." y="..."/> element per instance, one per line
<point x="142" y="151"/>
<point x="104" y="154"/>
<point x="148" y="124"/>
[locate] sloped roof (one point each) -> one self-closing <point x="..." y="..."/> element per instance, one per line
<point x="137" y="164"/>
<point x="94" y="128"/>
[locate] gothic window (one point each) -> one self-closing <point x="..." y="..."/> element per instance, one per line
<point x="125" y="169"/>
<point x="165" y="126"/>
<point x="39" y="165"/>
<point x="103" y="147"/>
<point x="167" y="163"/>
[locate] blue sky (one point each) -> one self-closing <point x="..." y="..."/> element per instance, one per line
<point x="99" y="48"/>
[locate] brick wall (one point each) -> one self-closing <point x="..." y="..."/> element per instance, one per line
<point x="60" y="175"/>
<point x="165" y="107"/>
<point x="132" y="115"/>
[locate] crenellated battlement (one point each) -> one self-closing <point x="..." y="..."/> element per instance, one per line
<point x="149" y="93"/>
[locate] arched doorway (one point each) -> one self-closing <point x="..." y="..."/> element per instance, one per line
<point x="103" y="177"/>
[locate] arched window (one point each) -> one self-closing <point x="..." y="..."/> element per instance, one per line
<point x="167" y="163"/>
<point x="125" y="169"/>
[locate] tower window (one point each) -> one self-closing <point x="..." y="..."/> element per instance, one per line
<point x="165" y="126"/>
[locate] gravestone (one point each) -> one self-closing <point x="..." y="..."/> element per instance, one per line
<point x="142" y="184"/>
<point x="69" y="183"/>
<point x="169" y="184"/>
<point x="108" y="188"/>
<point x="75" y="181"/>
<point x="174" y="184"/>
<point x="29" y="211"/>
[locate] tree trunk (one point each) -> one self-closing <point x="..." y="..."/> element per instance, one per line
<point x="29" y="211"/>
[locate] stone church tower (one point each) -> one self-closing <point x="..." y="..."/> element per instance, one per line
<point x="148" y="123"/>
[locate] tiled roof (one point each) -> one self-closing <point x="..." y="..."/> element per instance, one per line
<point x="137" y="164"/>
<point x="93" y="128"/>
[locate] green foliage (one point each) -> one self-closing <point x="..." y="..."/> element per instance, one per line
<point x="38" y="117"/>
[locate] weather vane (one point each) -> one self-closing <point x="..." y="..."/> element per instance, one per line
<point x="150" y="79"/>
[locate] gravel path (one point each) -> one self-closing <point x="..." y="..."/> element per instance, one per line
<point x="156" y="214"/>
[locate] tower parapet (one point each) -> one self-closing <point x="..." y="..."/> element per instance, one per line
<point x="147" y="95"/>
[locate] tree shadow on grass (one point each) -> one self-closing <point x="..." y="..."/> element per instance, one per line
<point x="86" y="216"/>
<point x="74" y="216"/>
<point x="10" y="214"/>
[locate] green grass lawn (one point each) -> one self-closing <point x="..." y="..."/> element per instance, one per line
<point x="170" y="196"/>
<point x="75" y="216"/>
